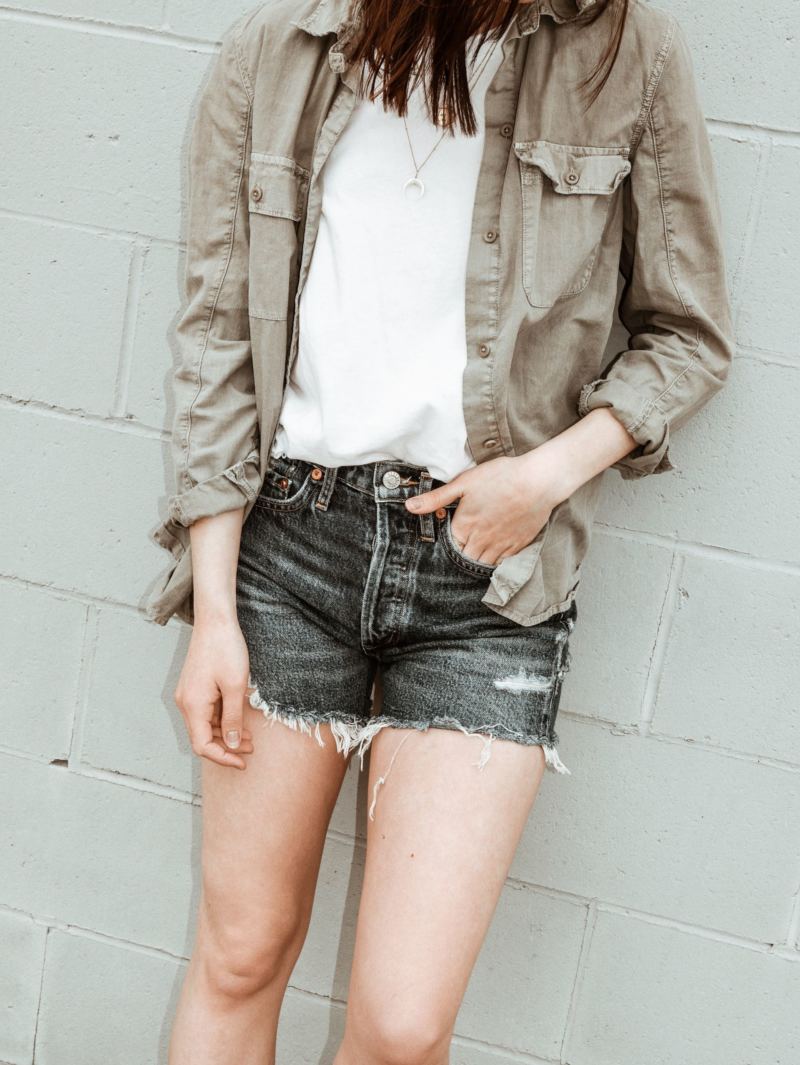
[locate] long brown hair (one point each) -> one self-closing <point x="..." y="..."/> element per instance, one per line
<point x="398" y="38"/>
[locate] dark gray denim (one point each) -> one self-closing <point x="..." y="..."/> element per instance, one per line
<point x="336" y="577"/>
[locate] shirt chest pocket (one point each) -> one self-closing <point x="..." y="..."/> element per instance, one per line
<point x="277" y="190"/>
<point x="566" y="194"/>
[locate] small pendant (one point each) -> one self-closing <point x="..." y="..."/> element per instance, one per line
<point x="414" y="183"/>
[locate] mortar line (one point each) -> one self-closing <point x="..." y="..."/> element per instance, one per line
<point x="715" y="935"/>
<point x="589" y="926"/>
<point x="106" y="776"/>
<point x="85" y="669"/>
<point x="698" y="550"/>
<point x="757" y="201"/>
<point x="767" y="358"/>
<point x="136" y="267"/>
<point x="92" y="229"/>
<point x="96" y="421"/>
<point x="793" y="931"/>
<point x="753" y="131"/>
<point x="39" y="998"/>
<point x="121" y="30"/>
<point x="655" y="669"/>
<point x="78" y="597"/>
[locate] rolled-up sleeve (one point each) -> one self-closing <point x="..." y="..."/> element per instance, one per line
<point x="215" y="429"/>
<point x="675" y="300"/>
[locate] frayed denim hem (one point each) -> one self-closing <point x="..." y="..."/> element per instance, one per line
<point x="350" y="734"/>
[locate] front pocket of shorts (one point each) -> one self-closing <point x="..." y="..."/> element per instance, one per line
<point x="286" y="487"/>
<point x="567" y="191"/>
<point x="456" y="555"/>
<point x="277" y="191"/>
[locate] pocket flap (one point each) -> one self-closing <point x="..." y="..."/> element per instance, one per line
<point x="575" y="168"/>
<point x="276" y="186"/>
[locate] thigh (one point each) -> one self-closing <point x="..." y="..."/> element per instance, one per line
<point x="438" y="852"/>
<point x="264" y="829"/>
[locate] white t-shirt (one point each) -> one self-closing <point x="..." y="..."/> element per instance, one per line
<point x="382" y="334"/>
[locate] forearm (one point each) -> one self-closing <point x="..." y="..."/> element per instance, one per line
<point x="585" y="449"/>
<point x="215" y="552"/>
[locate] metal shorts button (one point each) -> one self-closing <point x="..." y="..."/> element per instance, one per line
<point x="391" y="479"/>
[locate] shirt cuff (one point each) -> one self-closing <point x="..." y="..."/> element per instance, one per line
<point x="222" y="492"/>
<point x="643" y="420"/>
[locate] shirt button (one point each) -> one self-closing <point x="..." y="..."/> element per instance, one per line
<point x="506" y="129"/>
<point x="484" y="350"/>
<point x="490" y="236"/>
<point x="572" y="177"/>
<point x="490" y="442"/>
<point x="256" y="193"/>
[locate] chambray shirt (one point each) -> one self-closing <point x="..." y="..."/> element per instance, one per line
<point x="567" y="199"/>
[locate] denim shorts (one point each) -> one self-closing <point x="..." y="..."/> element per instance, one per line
<point x="337" y="582"/>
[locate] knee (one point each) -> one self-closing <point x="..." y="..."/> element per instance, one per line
<point x="395" y="1035"/>
<point x="239" y="957"/>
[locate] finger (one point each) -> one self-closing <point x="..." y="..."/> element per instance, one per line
<point x="205" y="746"/>
<point x="425" y="502"/>
<point x="233" y="716"/>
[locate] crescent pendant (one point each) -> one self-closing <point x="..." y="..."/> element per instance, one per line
<point x="414" y="183"/>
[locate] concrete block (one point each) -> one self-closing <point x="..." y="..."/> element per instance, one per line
<point x="668" y="829"/>
<point x="736" y="162"/>
<point x="97" y="855"/>
<point x="103" y="1002"/>
<point x="20" y="976"/>
<point x="736" y="479"/>
<point x="40" y="661"/>
<point x="115" y="131"/>
<point x="150" y="399"/>
<point x="132" y="725"/>
<point x="620" y="600"/>
<point x="66" y="292"/>
<point x="731" y="674"/>
<point x="746" y="67"/>
<point x="79" y="510"/>
<point x="767" y="317"/>
<point x="658" y="994"/>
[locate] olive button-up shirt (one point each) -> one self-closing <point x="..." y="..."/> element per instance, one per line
<point x="569" y="199"/>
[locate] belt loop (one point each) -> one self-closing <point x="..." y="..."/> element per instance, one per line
<point x="326" y="488"/>
<point x="426" y="520"/>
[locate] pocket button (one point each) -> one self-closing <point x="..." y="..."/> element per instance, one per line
<point x="256" y="193"/>
<point x="572" y="177"/>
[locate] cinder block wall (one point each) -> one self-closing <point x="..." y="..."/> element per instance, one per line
<point x="652" y="913"/>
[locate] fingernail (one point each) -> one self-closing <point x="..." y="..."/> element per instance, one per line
<point x="232" y="738"/>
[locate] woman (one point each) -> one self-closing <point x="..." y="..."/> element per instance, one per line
<point x="388" y="456"/>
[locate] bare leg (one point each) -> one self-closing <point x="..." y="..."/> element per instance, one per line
<point x="438" y="853"/>
<point x="263" y="835"/>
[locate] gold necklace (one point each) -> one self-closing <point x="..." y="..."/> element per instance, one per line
<point x="416" y="182"/>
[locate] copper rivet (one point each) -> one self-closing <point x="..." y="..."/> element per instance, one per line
<point x="440" y="513"/>
<point x="316" y="473"/>
<point x="284" y="482"/>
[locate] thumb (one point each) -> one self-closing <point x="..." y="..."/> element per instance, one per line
<point x="425" y="502"/>
<point x="232" y="716"/>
